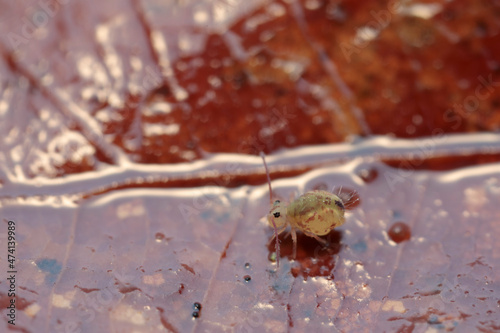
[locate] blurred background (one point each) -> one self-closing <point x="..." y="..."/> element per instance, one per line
<point x="103" y="104"/>
<point x="95" y="83"/>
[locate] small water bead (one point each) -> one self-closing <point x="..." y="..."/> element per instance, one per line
<point x="159" y="237"/>
<point x="196" y="314"/>
<point x="368" y="174"/>
<point x="247" y="278"/>
<point x="399" y="232"/>
<point x="197" y="306"/>
<point x="247" y="265"/>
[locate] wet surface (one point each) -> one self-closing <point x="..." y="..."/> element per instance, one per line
<point x="128" y="158"/>
<point x="170" y="248"/>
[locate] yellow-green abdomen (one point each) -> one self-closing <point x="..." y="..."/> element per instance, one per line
<point x="316" y="212"/>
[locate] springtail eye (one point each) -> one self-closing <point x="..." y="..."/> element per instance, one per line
<point x="277" y="214"/>
<point x="339" y="204"/>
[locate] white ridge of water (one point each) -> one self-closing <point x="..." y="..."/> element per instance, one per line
<point x="370" y="149"/>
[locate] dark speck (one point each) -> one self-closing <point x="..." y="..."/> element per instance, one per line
<point x="197" y="306"/>
<point x="247" y="278"/>
<point x="196" y="314"/>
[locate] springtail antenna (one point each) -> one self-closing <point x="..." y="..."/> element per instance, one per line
<point x="268" y="178"/>
<point x="276" y="239"/>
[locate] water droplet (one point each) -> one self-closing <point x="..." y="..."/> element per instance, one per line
<point x="399" y="232"/>
<point x="368" y="174"/>
<point x="197" y="306"/>
<point x="159" y="237"/>
<point x="196" y="314"/>
<point x="247" y="278"/>
<point x="247" y="265"/>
